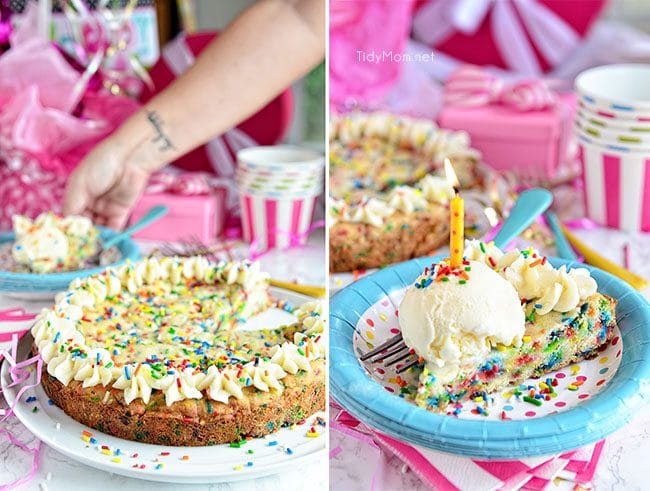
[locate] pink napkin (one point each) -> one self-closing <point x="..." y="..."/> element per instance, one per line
<point x="446" y="472"/>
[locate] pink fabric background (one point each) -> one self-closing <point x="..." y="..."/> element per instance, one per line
<point x="365" y="26"/>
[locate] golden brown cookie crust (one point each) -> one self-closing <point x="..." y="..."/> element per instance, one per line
<point x="192" y="422"/>
<point x="403" y="236"/>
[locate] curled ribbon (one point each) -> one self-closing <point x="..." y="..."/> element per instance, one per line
<point x="187" y="184"/>
<point x="191" y="184"/>
<point x="345" y="423"/>
<point x="19" y="373"/>
<point x="471" y="86"/>
<point x="295" y="240"/>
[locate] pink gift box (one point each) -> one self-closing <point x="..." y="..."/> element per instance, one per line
<point x="199" y="216"/>
<point x="533" y="145"/>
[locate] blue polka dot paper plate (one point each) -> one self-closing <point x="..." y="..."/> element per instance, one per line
<point x="604" y="395"/>
<point x="47" y="285"/>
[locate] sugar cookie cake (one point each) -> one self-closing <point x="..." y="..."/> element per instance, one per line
<point x="388" y="193"/>
<point x="153" y="352"/>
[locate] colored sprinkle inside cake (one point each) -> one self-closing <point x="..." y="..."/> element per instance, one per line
<point x="498" y="320"/>
<point x="153" y="352"/>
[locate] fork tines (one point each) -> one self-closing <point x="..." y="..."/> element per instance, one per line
<point x="411" y="363"/>
<point x="387" y="354"/>
<point x="391" y="352"/>
<point x="391" y="342"/>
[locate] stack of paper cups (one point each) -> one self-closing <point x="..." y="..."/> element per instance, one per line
<point x="613" y="130"/>
<point x="278" y="187"/>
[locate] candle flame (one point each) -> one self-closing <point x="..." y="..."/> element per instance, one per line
<point x="450" y="175"/>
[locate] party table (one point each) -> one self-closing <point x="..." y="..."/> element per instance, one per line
<point x="623" y="460"/>
<point x="57" y="472"/>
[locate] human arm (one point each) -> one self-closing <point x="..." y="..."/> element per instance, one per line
<point x="260" y="53"/>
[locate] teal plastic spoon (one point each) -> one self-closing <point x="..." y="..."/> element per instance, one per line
<point x="564" y="249"/>
<point x="148" y="218"/>
<point x="530" y="205"/>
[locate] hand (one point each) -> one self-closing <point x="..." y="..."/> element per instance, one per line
<point x="105" y="186"/>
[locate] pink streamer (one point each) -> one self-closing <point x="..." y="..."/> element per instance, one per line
<point x="19" y="374"/>
<point x="36" y="452"/>
<point x="335" y="452"/>
<point x="581" y="224"/>
<point x="491" y="234"/>
<point x="626" y="255"/>
<point x="345" y="423"/>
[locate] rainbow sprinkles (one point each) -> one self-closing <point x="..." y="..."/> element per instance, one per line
<point x="497" y="321"/>
<point x="161" y="338"/>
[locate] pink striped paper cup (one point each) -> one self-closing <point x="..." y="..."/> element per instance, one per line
<point x="274" y="222"/>
<point x="616" y="185"/>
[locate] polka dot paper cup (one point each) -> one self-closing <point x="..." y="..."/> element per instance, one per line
<point x="612" y="124"/>
<point x="618" y="90"/>
<point x="617" y="184"/>
<point x="278" y="188"/>
<point x="285" y="160"/>
<point x="612" y="117"/>
<point x="612" y="136"/>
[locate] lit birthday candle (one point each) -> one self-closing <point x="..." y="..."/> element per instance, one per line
<point x="456" y="219"/>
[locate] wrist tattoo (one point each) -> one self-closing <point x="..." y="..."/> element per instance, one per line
<point x="161" y="137"/>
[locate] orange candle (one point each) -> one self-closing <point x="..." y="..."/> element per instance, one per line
<point x="456" y="220"/>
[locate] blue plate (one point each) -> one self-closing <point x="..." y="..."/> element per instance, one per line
<point x="587" y="422"/>
<point x="52" y="283"/>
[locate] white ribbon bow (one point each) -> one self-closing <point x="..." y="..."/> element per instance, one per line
<point x="512" y="23"/>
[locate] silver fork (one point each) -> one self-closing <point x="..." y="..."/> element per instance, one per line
<point x="391" y="352"/>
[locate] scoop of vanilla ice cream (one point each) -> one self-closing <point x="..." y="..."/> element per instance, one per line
<point x="452" y="324"/>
